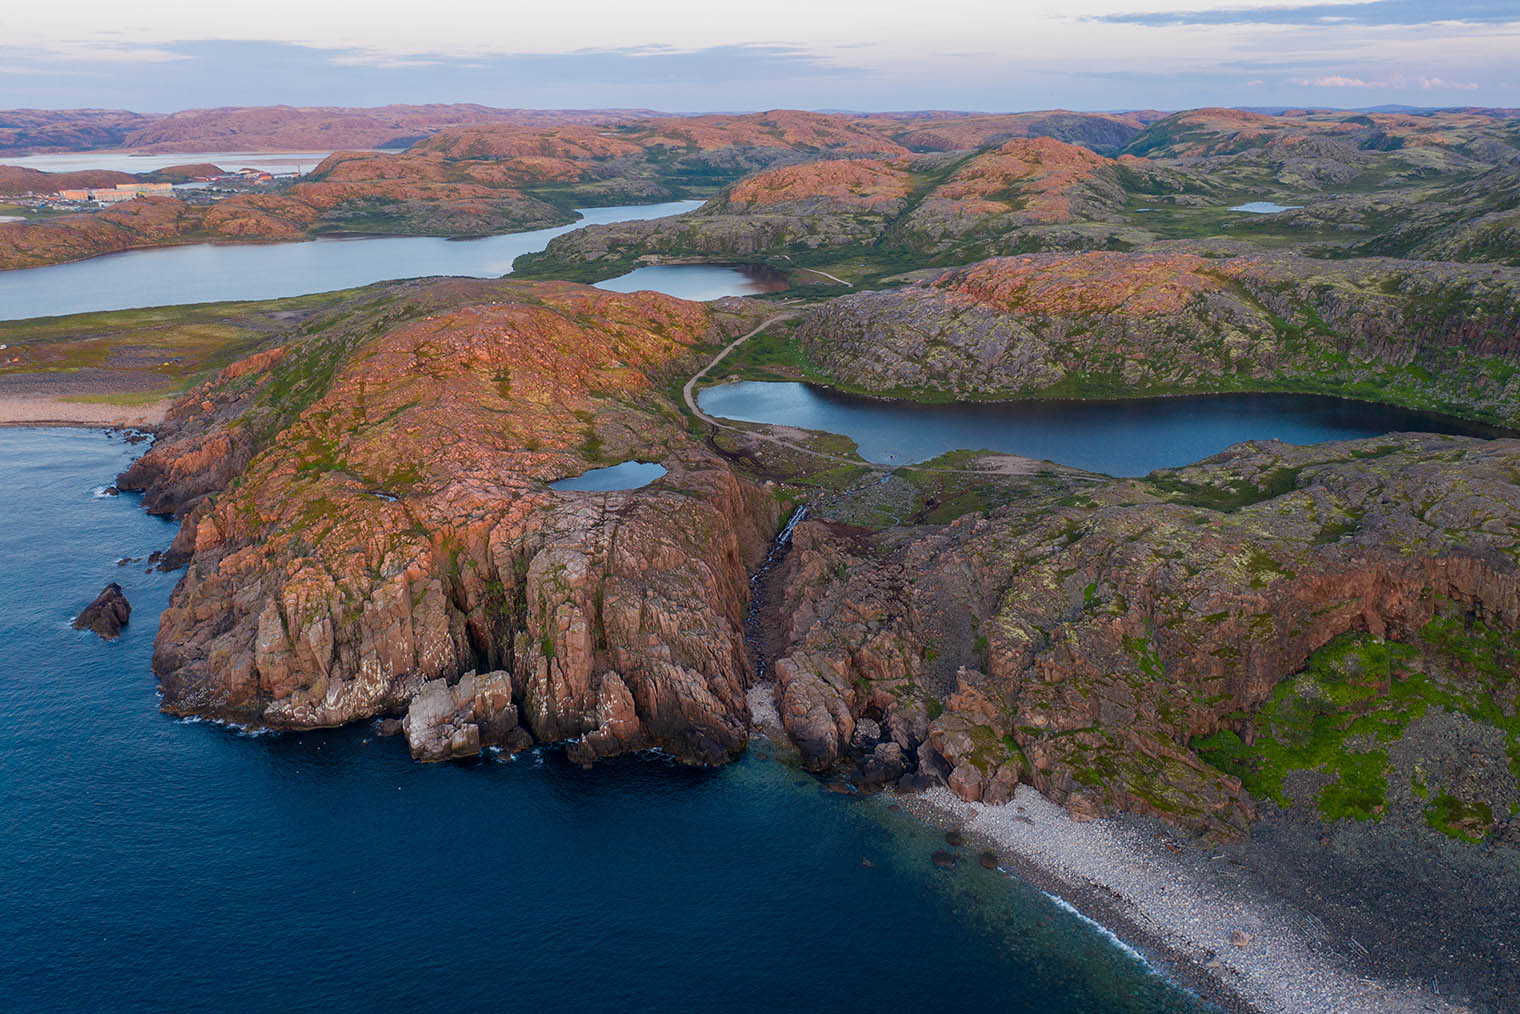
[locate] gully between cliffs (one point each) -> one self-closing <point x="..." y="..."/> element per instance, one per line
<point x="760" y="625"/>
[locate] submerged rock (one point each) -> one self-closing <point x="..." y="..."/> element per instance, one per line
<point x="107" y="614"/>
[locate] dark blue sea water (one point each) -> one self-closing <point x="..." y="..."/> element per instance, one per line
<point x="149" y="864"/>
<point x="1131" y="436"/>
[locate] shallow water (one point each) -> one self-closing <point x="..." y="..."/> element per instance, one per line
<point x="1129" y="436"/>
<point x="206" y="272"/>
<point x="628" y="475"/>
<point x="699" y="281"/>
<point x="152" y="864"/>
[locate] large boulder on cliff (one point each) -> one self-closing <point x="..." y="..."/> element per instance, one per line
<point x="107" y="614"/>
<point x="445" y="722"/>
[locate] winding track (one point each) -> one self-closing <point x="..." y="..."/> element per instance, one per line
<point x="689" y="396"/>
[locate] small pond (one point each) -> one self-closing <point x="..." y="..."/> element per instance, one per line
<point x="699" y="281"/>
<point x="628" y="475"/>
<point x="1130" y="436"/>
<point x="1265" y="207"/>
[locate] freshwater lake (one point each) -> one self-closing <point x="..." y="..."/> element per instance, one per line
<point x="1126" y="437"/>
<point x="147" y="162"/>
<point x="207" y="272"/>
<point x="152" y="864"/>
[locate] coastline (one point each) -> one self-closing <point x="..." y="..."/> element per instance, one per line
<point x="1139" y="887"/>
<point x="48" y="410"/>
<point x="1135" y="882"/>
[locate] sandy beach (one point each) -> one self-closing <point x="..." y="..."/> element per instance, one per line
<point x="43" y="410"/>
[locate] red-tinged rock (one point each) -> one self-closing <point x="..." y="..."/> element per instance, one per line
<point x="311" y="600"/>
<point x="1124" y="620"/>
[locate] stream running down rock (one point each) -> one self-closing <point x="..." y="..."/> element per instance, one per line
<point x="755" y="638"/>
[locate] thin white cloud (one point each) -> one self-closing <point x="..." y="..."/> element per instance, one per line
<point x="1337" y="81"/>
<point x="1429" y="83"/>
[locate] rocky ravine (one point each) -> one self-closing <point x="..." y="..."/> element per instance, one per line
<point x="396" y="531"/>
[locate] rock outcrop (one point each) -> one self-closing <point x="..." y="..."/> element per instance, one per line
<point x="445" y="722"/>
<point x="107" y="614"/>
<point x="1029" y="193"/>
<point x="1175" y="321"/>
<point x="1081" y="639"/>
<point x="391" y="528"/>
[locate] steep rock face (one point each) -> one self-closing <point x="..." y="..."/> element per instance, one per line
<point x="1081" y="642"/>
<point x="1110" y="323"/>
<point x="398" y="531"/>
<point x="444" y="722"/>
<point x="107" y="614"/>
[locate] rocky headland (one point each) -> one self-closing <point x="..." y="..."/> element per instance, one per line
<point x="366" y="515"/>
<point x="1090" y="639"/>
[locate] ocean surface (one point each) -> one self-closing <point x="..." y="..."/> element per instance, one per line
<point x="152" y="864"/>
<point x="209" y="272"/>
<point x="1131" y="436"/>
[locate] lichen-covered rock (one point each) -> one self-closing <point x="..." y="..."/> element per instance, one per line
<point x="1081" y="639"/>
<point x="392" y="526"/>
<point x="1177" y="322"/>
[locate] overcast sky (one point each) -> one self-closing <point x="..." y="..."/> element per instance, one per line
<point x="681" y="56"/>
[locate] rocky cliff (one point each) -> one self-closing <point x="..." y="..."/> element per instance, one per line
<point x="1084" y="639"/>
<point x="368" y="513"/>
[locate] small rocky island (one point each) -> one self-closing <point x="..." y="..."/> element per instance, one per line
<point x="107" y="614"/>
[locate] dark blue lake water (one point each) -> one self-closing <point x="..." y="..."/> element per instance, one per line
<point x="1131" y="436"/>
<point x="149" y="864"/>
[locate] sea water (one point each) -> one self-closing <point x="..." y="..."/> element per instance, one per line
<point x="155" y="864"/>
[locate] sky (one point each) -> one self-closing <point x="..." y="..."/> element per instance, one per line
<point x="680" y="56"/>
